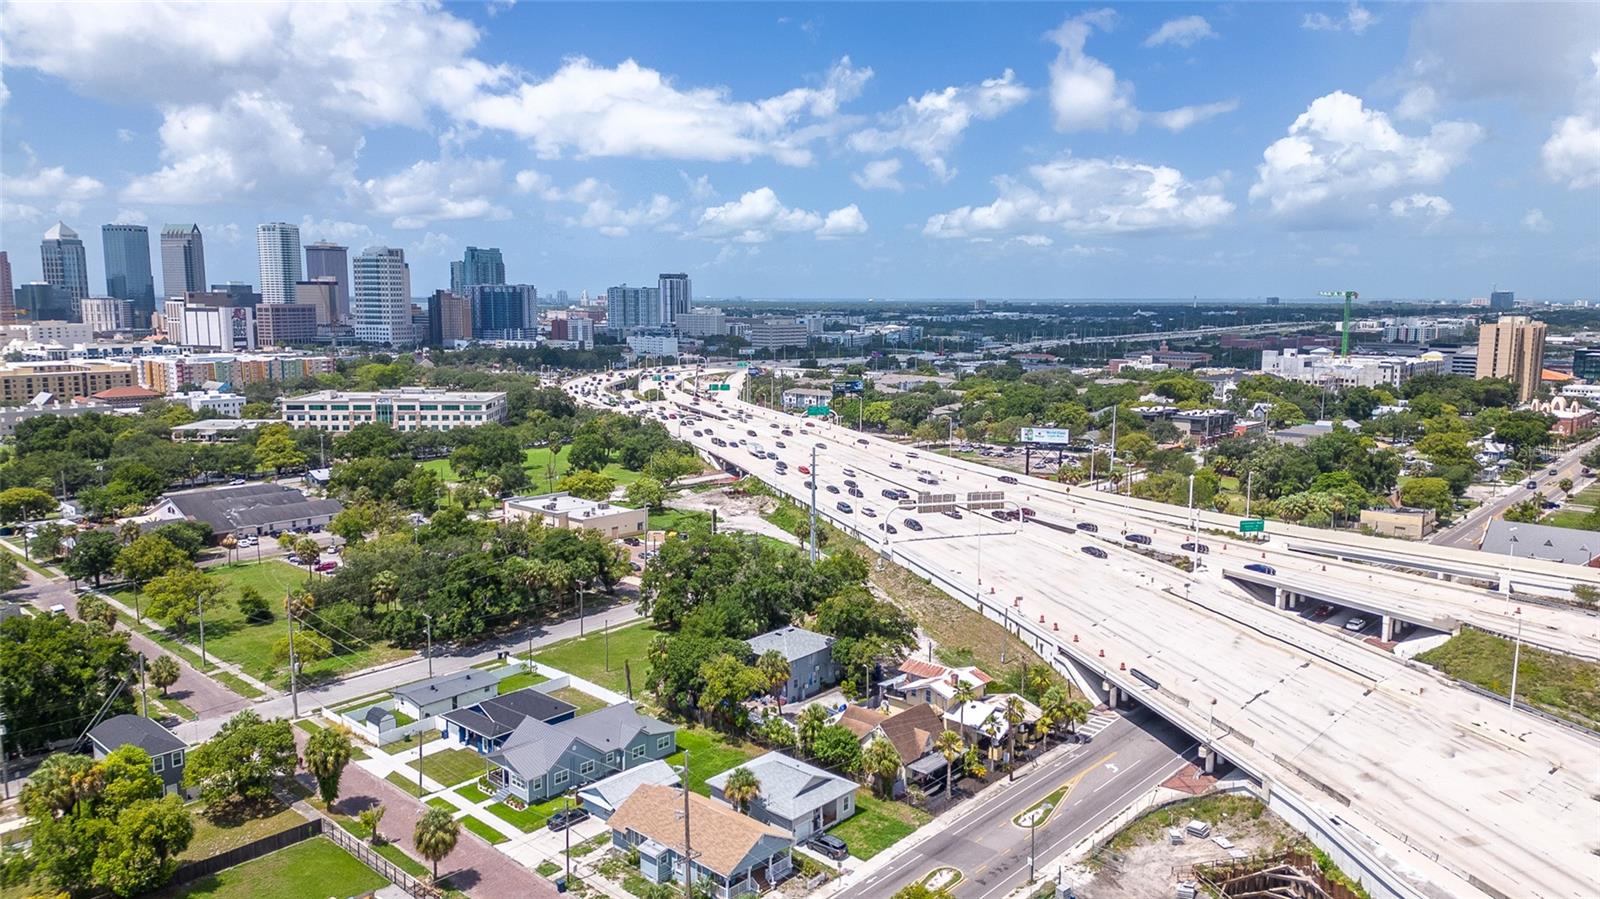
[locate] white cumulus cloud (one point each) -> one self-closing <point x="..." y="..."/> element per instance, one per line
<point x="1184" y="116"/>
<point x="1356" y="19"/>
<point x="443" y="190"/>
<point x="759" y="215"/>
<point x="603" y="209"/>
<point x="1338" y="150"/>
<point x="929" y="126"/>
<point x="1092" y="197"/>
<point x="880" y="174"/>
<point x="1534" y="220"/>
<point x="1420" y="205"/>
<point x="1183" y="32"/>
<point x="1086" y="95"/>
<point x="1572" y="153"/>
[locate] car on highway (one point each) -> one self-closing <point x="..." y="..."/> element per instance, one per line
<point x="856" y="492"/>
<point x="888" y="528"/>
<point x="821" y="445"/>
<point x="869" y="511"/>
<point x="1531" y="484"/>
<point x="786" y="432"/>
<point x="1356" y="625"/>
<point x="861" y="440"/>
<point x="831" y="488"/>
<point x="804" y="469"/>
<point x="808" y="484"/>
<point x="1027" y="512"/>
<point x="1089" y="527"/>
<point x="953" y="513"/>
<point x="850" y="482"/>
<point x="750" y="433"/>
<point x="1141" y="539"/>
<point x="1006" y="479"/>
<point x="780" y="445"/>
<point x="890" y="494"/>
<point x="844" y="507"/>
<point x="1194" y="547"/>
<point x="896" y="465"/>
<point x="566" y="818"/>
<point x="831" y="846"/>
<point x="912" y="456"/>
<point x="1095" y="551"/>
<point x="848" y="472"/>
<point x="913" y="524"/>
<point x="1551" y="472"/>
<point x="1259" y="568"/>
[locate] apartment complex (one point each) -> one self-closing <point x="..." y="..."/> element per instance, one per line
<point x="22" y="381"/>
<point x="278" y="252"/>
<point x="676" y="293"/>
<point x="405" y="409"/>
<point x="1325" y="367"/>
<point x="1513" y="348"/>
<point x="168" y="373"/>
<point x="632" y="307"/>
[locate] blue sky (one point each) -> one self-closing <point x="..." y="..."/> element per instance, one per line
<point x="834" y="150"/>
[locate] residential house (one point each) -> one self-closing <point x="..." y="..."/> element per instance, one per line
<point x="251" y="509"/>
<point x="486" y="726"/>
<point x="911" y="731"/>
<point x="537" y="760"/>
<point x="983" y="722"/>
<point x="932" y="682"/>
<point x="810" y="658"/>
<point x="445" y="693"/>
<point x="167" y="752"/>
<point x="800" y="798"/>
<point x="733" y="854"/>
<point x="604" y="797"/>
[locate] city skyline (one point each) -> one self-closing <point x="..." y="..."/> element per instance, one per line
<point x="1130" y="151"/>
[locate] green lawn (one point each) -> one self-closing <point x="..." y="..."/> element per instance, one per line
<point x="1559" y="684"/>
<point x="1569" y="517"/>
<point x="213" y="836"/>
<point x="440" y="802"/>
<point x="307" y="870"/>
<point x="231" y="638"/>
<point x="710" y="754"/>
<point x="586" y="656"/>
<point x="452" y="766"/>
<point x="535" y="461"/>
<point x="682" y="520"/>
<point x="878" y="824"/>
<point x="483" y="830"/>
<point x="576" y="697"/>
<point x="472" y="793"/>
<point x="518" y="681"/>
<point x="531" y="818"/>
<point x="411" y="742"/>
<point x="409" y="784"/>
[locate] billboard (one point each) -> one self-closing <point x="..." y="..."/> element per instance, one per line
<point x="855" y="386"/>
<point x="1046" y="435"/>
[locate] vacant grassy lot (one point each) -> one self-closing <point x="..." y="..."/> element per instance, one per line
<point x="576" y="697"/>
<point x="1556" y="683"/>
<point x="536" y="462"/>
<point x="710" y="754"/>
<point x="307" y="870"/>
<point x="586" y="656"/>
<point x="1217" y="809"/>
<point x="878" y="824"/>
<point x="681" y="520"/>
<point x="518" y="681"/>
<point x="212" y="836"/>
<point x="452" y="766"/>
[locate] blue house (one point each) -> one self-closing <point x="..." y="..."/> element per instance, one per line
<point x="538" y="760"/>
<point x="486" y="726"/>
<point x="810" y="658"/>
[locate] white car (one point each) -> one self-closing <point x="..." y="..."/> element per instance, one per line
<point x="1355" y="625"/>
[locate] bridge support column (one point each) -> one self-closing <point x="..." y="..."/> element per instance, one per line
<point x="1388" y="628"/>
<point x="1208" y="759"/>
<point x="1280" y="597"/>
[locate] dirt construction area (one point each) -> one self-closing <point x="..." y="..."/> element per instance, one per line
<point x="1141" y="863"/>
<point x="736" y="509"/>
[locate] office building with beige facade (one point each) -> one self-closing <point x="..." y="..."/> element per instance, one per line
<point x="563" y="510"/>
<point x="1513" y="348"/>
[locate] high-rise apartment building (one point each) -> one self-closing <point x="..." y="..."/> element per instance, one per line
<point x="1513" y="348"/>
<point x="330" y="260"/>
<point x="8" y="297"/>
<point x="632" y="307"/>
<point x="503" y="311"/>
<point x="321" y="294"/>
<point x="278" y="253"/>
<point x="66" y="266"/>
<point x="1502" y="301"/>
<point x="107" y="315"/>
<point x="128" y="277"/>
<point x="480" y="265"/>
<point x="183" y="260"/>
<point x="381" y="296"/>
<point x="676" y="296"/>
<point x="449" y="318"/>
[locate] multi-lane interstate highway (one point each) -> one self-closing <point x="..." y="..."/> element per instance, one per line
<point x="1454" y="793"/>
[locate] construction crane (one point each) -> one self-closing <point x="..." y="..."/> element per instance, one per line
<point x="1349" y="296"/>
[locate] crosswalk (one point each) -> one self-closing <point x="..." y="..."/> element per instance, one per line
<point x="1097" y="722"/>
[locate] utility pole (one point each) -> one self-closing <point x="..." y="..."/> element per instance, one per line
<point x="1249" y="485"/>
<point x="813" y="502"/>
<point x="200" y="609"/>
<point x="429" y="619"/>
<point x="1111" y="464"/>
<point x="144" y="690"/>
<point x="688" y="855"/>
<point x="294" y="689"/>
<point x="5" y="763"/>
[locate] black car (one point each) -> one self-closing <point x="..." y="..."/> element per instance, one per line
<point x="1095" y="551"/>
<point x="913" y="524"/>
<point x="844" y="507"/>
<point x="831" y="846"/>
<point x="856" y="492"/>
<point x="1194" y="547"/>
<point x="564" y="819"/>
<point x="1141" y="539"/>
<point x="1089" y="527"/>
<point x="888" y="528"/>
<point x="1263" y="569"/>
<point x="890" y="494"/>
<point x="1006" y="479"/>
<point x="831" y="489"/>
<point x="808" y="485"/>
<point x="953" y="514"/>
<point x="849" y="482"/>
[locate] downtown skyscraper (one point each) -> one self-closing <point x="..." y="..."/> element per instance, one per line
<point x="330" y="260"/>
<point x="66" y="266"/>
<point x="677" y="294"/>
<point x="278" y="253"/>
<point x="381" y="296"/>
<point x="183" y="260"/>
<point x="128" y="275"/>
<point x="480" y="265"/>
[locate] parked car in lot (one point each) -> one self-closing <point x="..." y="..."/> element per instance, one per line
<point x="326" y="566"/>
<point x="1194" y="547"/>
<point x="566" y="818"/>
<point x="1095" y="551"/>
<point x="831" y="846"/>
<point x="1260" y="568"/>
<point x="1089" y="527"/>
<point x="1141" y="539"/>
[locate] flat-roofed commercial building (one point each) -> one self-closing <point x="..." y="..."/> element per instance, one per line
<point x="405" y="409"/>
<point x="563" y="510"/>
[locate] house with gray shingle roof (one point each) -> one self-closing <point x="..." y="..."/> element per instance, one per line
<point x="167" y="752"/>
<point x="810" y="658"/>
<point x="250" y="509"/>
<point x="795" y="796"/>
<point x="538" y="760"/>
<point x="445" y="693"/>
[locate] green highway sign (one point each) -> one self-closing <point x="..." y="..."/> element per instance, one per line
<point x="1252" y="525"/>
<point x="817" y="410"/>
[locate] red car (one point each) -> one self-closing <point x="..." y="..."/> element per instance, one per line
<point x="804" y="470"/>
<point x="327" y="566"/>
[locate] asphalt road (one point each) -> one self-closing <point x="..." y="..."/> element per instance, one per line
<point x="1128" y="758"/>
<point x="1468" y="532"/>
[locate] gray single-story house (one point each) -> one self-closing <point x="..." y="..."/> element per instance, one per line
<point x="538" y="760"/>
<point x="735" y="854"/>
<point x="167" y="752"/>
<point x="445" y="693"/>
<point x="800" y="798"/>
<point x="603" y="797"/>
<point x="486" y="725"/>
<point x="810" y="658"/>
<point x="250" y="509"/>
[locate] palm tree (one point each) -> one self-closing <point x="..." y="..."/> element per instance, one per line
<point x="128" y="531"/>
<point x="951" y="746"/>
<point x="384" y="588"/>
<point x="775" y="672"/>
<point x="813" y="718"/>
<point x="1014" y="715"/>
<point x="882" y="761"/>
<point x="741" y="788"/>
<point x="660" y="650"/>
<point x="1053" y="706"/>
<point x="965" y="691"/>
<point x="1076" y="713"/>
<point x="307" y="553"/>
<point x="435" y="836"/>
<point x="229" y="543"/>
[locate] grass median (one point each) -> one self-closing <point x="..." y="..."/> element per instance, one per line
<point x="1558" y="684"/>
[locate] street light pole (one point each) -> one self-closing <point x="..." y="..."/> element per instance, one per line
<point x="199" y="607"/>
<point x="1249" y="486"/>
<point x="1516" y="660"/>
<point x="429" y="626"/>
<point x="813" y="503"/>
